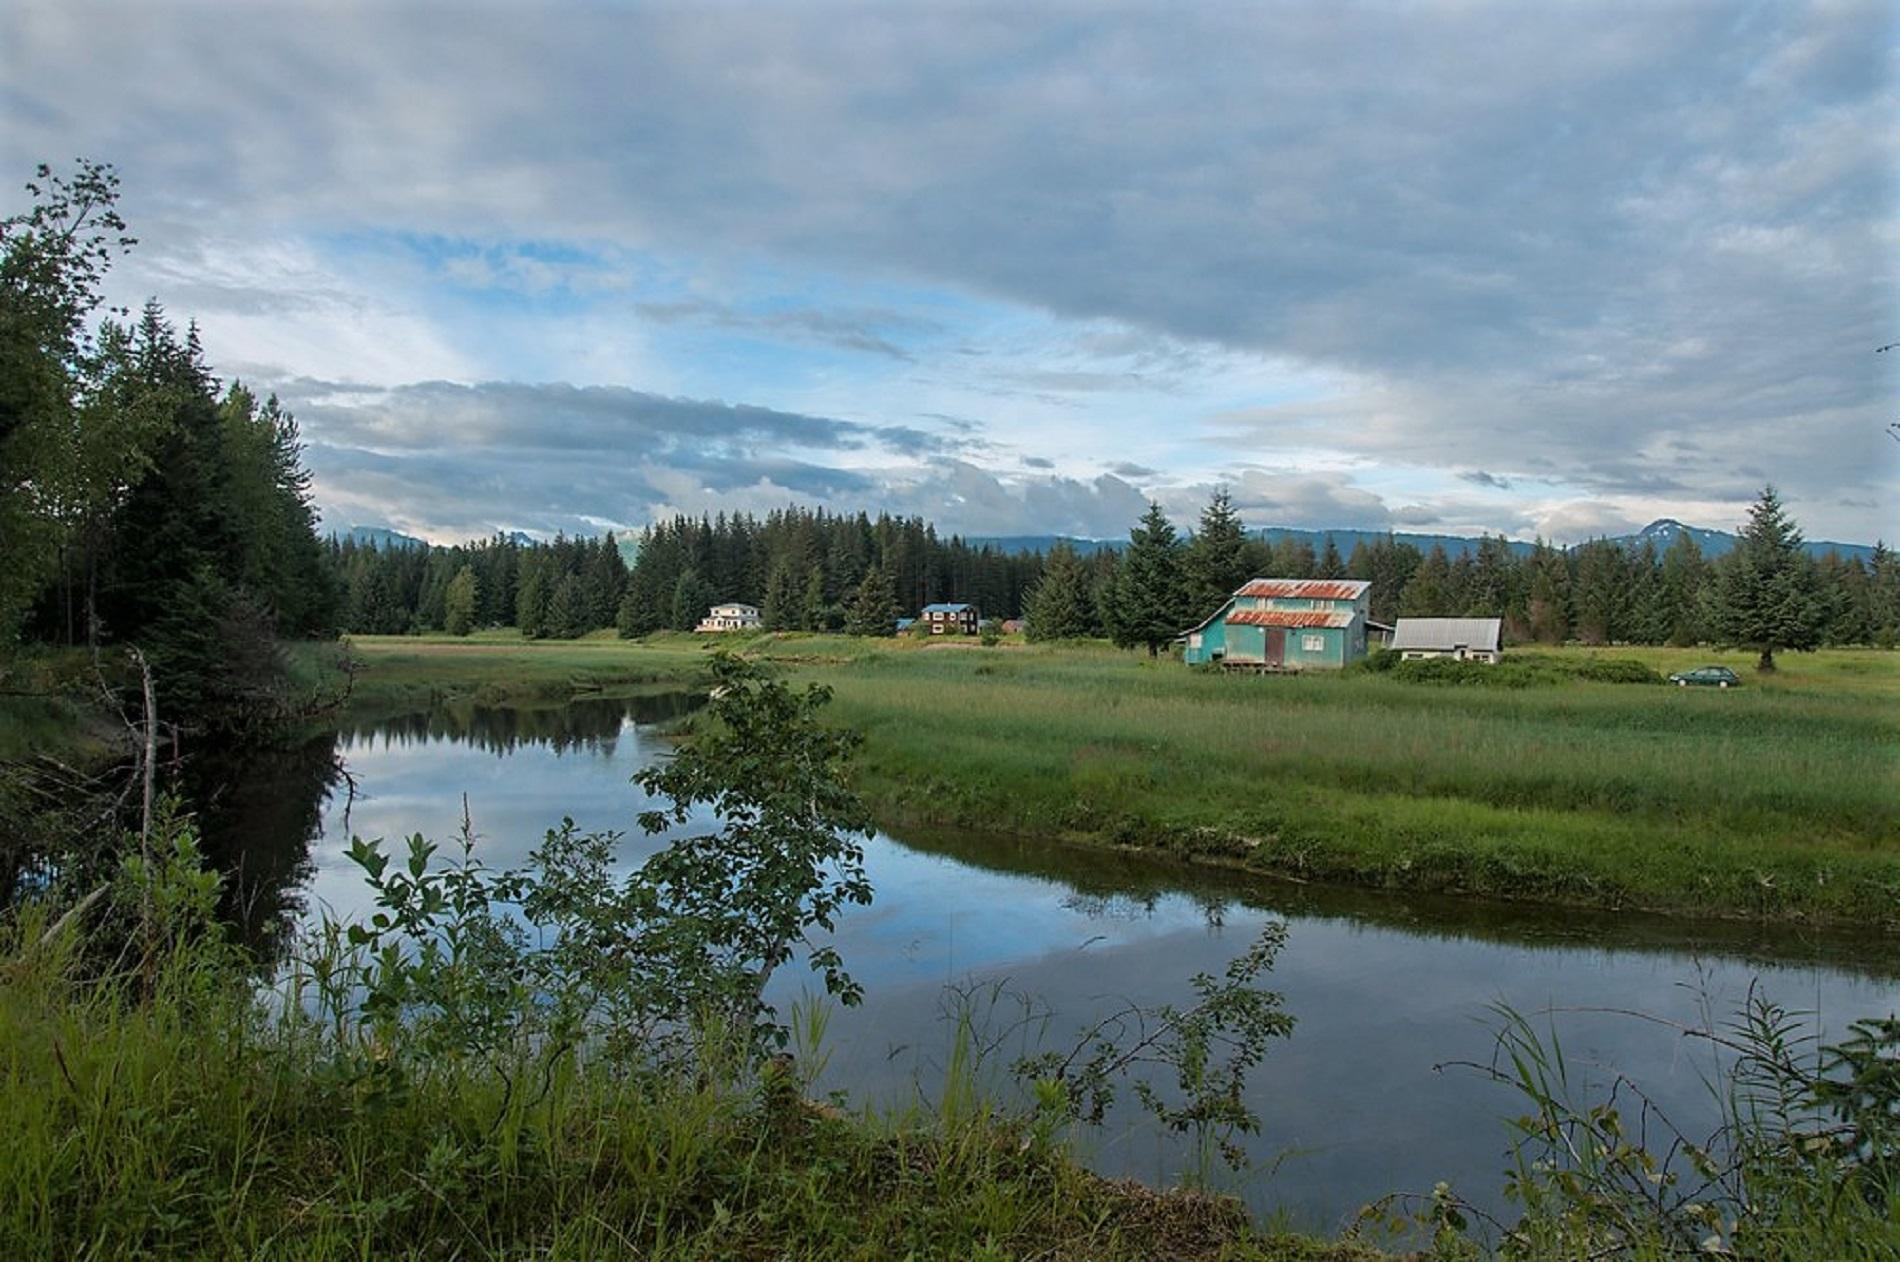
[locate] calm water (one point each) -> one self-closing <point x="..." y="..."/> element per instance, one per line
<point x="1384" y="988"/>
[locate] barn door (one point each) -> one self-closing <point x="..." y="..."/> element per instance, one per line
<point x="1276" y="646"/>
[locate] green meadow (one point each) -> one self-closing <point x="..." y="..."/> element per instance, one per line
<point x="1778" y="800"/>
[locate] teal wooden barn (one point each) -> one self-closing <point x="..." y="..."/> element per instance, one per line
<point x="1285" y="624"/>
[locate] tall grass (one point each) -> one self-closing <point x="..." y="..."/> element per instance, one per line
<point x="160" y="1106"/>
<point x="1777" y="800"/>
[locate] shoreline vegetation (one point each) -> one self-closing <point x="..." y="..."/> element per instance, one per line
<point x="1777" y="802"/>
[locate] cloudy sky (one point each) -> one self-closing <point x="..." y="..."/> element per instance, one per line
<point x="1523" y="268"/>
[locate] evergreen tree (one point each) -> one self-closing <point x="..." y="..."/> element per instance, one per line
<point x="605" y="580"/>
<point x="1762" y="595"/>
<point x="1217" y="554"/>
<point x="458" y="603"/>
<point x="1293" y="558"/>
<point x="1061" y="605"/>
<point x="1846" y="599"/>
<point x="1428" y="592"/>
<point x="1684" y="573"/>
<point x="812" y="607"/>
<point x="691" y="600"/>
<point x="1647" y="616"/>
<point x="1601" y="593"/>
<point x="630" y="620"/>
<point x="1330" y="566"/>
<point x="568" y="615"/>
<point x="1548" y="606"/>
<point x="1148" y="601"/>
<point x="531" y="602"/>
<point x="874" y="609"/>
<point x="1883" y="595"/>
<point x="781" y="610"/>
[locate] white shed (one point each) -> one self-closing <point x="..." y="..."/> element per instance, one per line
<point x="1467" y="639"/>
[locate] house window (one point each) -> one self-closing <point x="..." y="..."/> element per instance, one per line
<point x="1194" y="640"/>
<point x="1313" y="643"/>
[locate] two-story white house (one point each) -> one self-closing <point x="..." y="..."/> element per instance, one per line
<point x="731" y="617"/>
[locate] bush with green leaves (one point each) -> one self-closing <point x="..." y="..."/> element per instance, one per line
<point x="665" y="967"/>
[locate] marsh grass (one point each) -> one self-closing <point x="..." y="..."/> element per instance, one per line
<point x="1778" y="800"/>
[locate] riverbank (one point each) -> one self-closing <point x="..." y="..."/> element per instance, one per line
<point x="1778" y="801"/>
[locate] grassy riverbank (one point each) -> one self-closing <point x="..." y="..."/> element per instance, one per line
<point x="1778" y="800"/>
<point x="166" y="1112"/>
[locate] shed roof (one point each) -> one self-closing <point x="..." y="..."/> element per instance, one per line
<point x="1306" y="588"/>
<point x="1289" y="618"/>
<point x="1448" y="633"/>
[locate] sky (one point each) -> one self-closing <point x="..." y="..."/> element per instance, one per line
<point x="1554" y="269"/>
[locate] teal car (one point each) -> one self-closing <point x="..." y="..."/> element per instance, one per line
<point x="1706" y="677"/>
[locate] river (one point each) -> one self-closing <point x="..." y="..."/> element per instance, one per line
<point x="1385" y="988"/>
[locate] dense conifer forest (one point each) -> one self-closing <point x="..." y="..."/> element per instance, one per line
<point x="813" y="570"/>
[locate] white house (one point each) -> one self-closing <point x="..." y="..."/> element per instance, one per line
<point x="1467" y="639"/>
<point x="731" y="617"/>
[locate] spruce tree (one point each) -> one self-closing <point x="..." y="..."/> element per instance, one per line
<point x="1684" y="573"/>
<point x="691" y="601"/>
<point x="1601" y="594"/>
<point x="1548" y="607"/>
<point x="458" y="603"/>
<point x="1763" y="594"/>
<point x="781" y="611"/>
<point x="568" y="617"/>
<point x="1217" y="554"/>
<point x="1330" y="566"/>
<point x="1060" y="607"/>
<point x="1883" y="595"/>
<point x="1148" y="600"/>
<point x="531" y="603"/>
<point x="812" y="608"/>
<point x="874" y="609"/>
<point x="1427" y="594"/>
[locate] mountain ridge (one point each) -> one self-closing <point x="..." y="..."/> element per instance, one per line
<point x="1662" y="532"/>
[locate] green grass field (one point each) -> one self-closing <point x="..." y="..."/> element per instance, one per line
<point x="1781" y="799"/>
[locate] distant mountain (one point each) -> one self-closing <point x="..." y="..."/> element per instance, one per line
<point x="1662" y="533"/>
<point x="1013" y="544"/>
<point x="1714" y="543"/>
<point x="1454" y="545"/>
<point x="376" y="537"/>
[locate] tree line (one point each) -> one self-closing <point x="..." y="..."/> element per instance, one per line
<point x="142" y="502"/>
<point x="1767" y="593"/>
<point x="806" y="569"/>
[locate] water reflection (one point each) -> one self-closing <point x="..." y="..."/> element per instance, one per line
<point x="589" y="725"/>
<point x="1385" y="987"/>
<point x="265" y="812"/>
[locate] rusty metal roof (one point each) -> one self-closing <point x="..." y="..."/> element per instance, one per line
<point x="1288" y="618"/>
<point x="1306" y="588"/>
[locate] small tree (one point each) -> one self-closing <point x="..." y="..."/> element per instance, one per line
<point x="458" y="603"/>
<point x="1217" y="555"/>
<point x="567" y="609"/>
<point x="874" y="610"/>
<point x="781" y="611"/>
<point x="812" y="608"/>
<point x="691" y="600"/>
<point x="1061" y="605"/>
<point x="531" y="603"/>
<point x="1763" y="595"/>
<point x="1147" y="602"/>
